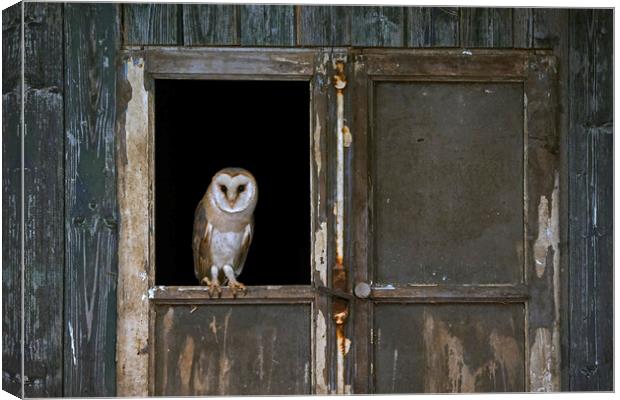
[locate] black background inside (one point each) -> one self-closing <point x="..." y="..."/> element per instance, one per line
<point x="262" y="126"/>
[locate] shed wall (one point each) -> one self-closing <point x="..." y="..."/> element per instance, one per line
<point x="69" y="198"/>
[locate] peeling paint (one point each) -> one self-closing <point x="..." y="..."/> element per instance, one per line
<point x="320" y="253"/>
<point x="541" y="355"/>
<point x="317" y="145"/>
<point x="184" y="364"/>
<point x="321" y="348"/>
<point x="446" y="357"/>
<point x="133" y="196"/>
<point x="548" y="233"/>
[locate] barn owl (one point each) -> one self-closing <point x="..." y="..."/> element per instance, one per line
<point x="223" y="226"/>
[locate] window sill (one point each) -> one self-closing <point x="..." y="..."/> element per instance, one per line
<point x="200" y="294"/>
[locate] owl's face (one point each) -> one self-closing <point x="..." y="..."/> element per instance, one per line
<point x="234" y="190"/>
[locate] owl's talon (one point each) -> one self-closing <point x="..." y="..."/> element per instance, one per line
<point x="205" y="281"/>
<point x="237" y="286"/>
<point x="213" y="288"/>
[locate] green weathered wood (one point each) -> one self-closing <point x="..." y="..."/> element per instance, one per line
<point x="150" y="24"/>
<point x="209" y="24"/>
<point x="523" y="27"/>
<point x="324" y="26"/>
<point x="590" y="201"/>
<point x="432" y="27"/>
<point x="267" y="25"/>
<point x="486" y="27"/>
<point x="11" y="200"/>
<point x="378" y="26"/>
<point x="91" y="45"/>
<point x="44" y="204"/>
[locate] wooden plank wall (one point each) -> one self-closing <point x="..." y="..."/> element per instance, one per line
<point x="11" y="200"/>
<point x="70" y="198"/>
<point x="44" y="199"/>
<point x="91" y="34"/>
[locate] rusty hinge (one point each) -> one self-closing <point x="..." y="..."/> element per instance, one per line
<point x="335" y="293"/>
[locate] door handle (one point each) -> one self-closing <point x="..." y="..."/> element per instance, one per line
<point x="362" y="290"/>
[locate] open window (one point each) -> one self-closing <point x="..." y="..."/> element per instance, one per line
<point x="202" y="126"/>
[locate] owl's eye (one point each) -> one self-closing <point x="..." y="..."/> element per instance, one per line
<point x="223" y="188"/>
<point x="241" y="188"/>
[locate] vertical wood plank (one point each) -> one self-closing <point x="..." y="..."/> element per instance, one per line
<point x="523" y="27"/>
<point x="547" y="28"/>
<point x="267" y="25"/>
<point x="324" y="26"/>
<point x="91" y="45"/>
<point x="150" y="24"/>
<point x="209" y="24"/>
<point x="486" y="27"/>
<point x="11" y="200"/>
<point x="432" y="27"/>
<point x="378" y="26"/>
<point x="44" y="204"/>
<point x="590" y="202"/>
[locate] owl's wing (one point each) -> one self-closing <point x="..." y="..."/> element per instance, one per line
<point x="245" y="246"/>
<point x="202" y="234"/>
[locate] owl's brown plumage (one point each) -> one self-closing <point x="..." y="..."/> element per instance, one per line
<point x="223" y="228"/>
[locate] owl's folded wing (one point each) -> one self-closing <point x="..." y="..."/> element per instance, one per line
<point x="202" y="234"/>
<point x="245" y="247"/>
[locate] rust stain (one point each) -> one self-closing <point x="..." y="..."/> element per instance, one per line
<point x="348" y="138"/>
<point x="340" y="83"/>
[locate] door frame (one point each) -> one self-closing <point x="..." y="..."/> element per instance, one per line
<point x="537" y="71"/>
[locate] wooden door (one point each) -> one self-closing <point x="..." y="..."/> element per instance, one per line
<point x="455" y="222"/>
<point x="178" y="340"/>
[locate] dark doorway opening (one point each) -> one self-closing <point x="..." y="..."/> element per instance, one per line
<point x="262" y="126"/>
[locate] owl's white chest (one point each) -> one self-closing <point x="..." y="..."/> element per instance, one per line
<point x="225" y="247"/>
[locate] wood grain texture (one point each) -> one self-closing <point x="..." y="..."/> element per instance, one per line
<point x="324" y="26"/>
<point x="264" y="25"/>
<point x="210" y="24"/>
<point x="150" y="24"/>
<point x="91" y="44"/>
<point x="486" y="27"/>
<point x="11" y="200"/>
<point x="548" y="28"/>
<point x="591" y="209"/>
<point x="378" y="26"/>
<point x="44" y="199"/>
<point x="432" y="27"/>
<point x="232" y="350"/>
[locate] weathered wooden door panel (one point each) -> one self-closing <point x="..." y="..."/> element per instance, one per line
<point x="456" y="184"/>
<point x="178" y="340"/>
<point x="232" y="349"/>
<point x="448" y="165"/>
<point x="449" y="348"/>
